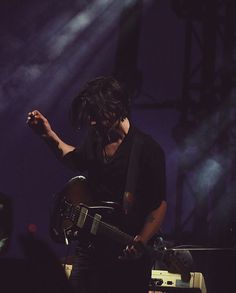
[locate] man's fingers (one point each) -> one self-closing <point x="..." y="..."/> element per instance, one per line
<point x="130" y="252"/>
<point x="34" y="117"/>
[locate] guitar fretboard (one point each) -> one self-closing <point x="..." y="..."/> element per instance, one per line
<point x="114" y="233"/>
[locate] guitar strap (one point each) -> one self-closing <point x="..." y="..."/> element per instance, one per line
<point x="132" y="173"/>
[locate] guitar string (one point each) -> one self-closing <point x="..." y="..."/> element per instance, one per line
<point x="127" y="236"/>
<point x="118" y="231"/>
<point x="109" y="227"/>
<point x="161" y="253"/>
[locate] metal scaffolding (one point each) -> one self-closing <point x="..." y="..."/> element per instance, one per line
<point x="208" y="78"/>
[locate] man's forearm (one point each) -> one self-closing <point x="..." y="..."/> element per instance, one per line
<point x="58" y="146"/>
<point x="153" y="223"/>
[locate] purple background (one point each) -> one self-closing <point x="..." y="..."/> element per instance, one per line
<point x="49" y="49"/>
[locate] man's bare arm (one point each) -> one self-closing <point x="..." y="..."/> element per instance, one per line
<point x="153" y="223"/>
<point x="40" y="125"/>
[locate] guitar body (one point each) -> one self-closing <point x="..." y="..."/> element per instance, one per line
<point x="75" y="214"/>
<point x="77" y="217"/>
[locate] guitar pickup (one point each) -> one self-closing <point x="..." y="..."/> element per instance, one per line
<point x="82" y="217"/>
<point x="96" y="221"/>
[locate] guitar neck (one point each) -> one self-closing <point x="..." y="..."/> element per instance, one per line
<point x="167" y="256"/>
<point x="115" y="234"/>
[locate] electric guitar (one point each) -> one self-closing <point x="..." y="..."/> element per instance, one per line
<point x="75" y="217"/>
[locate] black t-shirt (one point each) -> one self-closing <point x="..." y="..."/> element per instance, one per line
<point x="108" y="178"/>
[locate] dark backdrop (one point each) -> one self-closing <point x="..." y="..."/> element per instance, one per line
<point x="50" y="48"/>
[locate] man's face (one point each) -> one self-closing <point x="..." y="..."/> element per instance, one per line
<point x="105" y="126"/>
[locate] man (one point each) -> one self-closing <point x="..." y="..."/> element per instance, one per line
<point x="137" y="184"/>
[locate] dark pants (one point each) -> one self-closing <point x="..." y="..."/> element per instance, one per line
<point x="96" y="271"/>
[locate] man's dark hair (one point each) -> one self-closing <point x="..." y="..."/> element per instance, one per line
<point x="101" y="99"/>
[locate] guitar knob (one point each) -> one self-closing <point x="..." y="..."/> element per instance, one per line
<point x="76" y="234"/>
<point x="68" y="232"/>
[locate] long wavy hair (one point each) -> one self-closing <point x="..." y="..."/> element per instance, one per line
<point x="102" y="98"/>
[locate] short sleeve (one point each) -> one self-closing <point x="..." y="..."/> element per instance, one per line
<point x="79" y="158"/>
<point x="75" y="160"/>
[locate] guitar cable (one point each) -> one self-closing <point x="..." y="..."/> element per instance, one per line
<point x="67" y="251"/>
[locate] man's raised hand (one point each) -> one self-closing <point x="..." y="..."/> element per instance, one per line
<point x="38" y="123"/>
